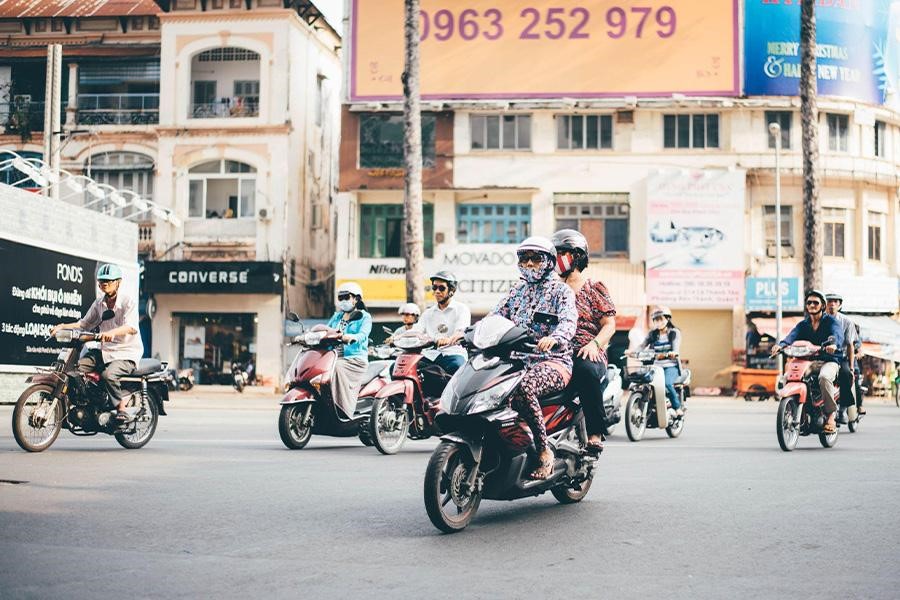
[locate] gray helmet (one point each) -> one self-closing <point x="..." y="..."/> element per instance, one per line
<point x="661" y="311"/>
<point x="446" y="276"/>
<point x="569" y="240"/>
<point x="834" y="296"/>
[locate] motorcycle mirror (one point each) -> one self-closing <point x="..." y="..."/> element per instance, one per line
<point x="387" y="331"/>
<point x="292" y="316"/>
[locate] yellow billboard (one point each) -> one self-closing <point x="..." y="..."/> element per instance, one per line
<point x="549" y="49"/>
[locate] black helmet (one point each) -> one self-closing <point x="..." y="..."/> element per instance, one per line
<point x="447" y="276"/>
<point x="569" y="240"/>
<point x="817" y="294"/>
<point x="834" y="296"/>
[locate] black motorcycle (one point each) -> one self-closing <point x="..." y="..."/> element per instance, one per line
<point x="62" y="397"/>
<point x="490" y="452"/>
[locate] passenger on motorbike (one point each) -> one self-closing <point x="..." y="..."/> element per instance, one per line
<point x="823" y="330"/>
<point x="355" y="323"/>
<point x="116" y="313"/>
<point x="545" y="306"/>
<point x="446" y="321"/>
<point x="596" y="326"/>
<point x="409" y="314"/>
<point x="665" y="340"/>
<point x="833" y="303"/>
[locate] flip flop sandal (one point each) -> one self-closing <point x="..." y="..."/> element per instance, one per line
<point x="594" y="447"/>
<point x="828" y="428"/>
<point x="121" y="415"/>
<point x="544" y="471"/>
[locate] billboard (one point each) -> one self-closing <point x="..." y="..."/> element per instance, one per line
<point x="695" y="245"/>
<point x="548" y="49"/>
<point x="762" y="295"/>
<point x="855" y="54"/>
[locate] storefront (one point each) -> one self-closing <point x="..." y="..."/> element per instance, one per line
<point x="209" y="314"/>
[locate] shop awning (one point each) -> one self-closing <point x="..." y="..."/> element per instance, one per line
<point x="879" y="329"/>
<point x="891" y="353"/>
<point x="767" y="326"/>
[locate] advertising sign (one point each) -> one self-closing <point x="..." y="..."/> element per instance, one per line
<point x="695" y="256"/>
<point x="546" y="48"/>
<point x="868" y="294"/>
<point x="855" y="54"/>
<point x="762" y="295"/>
<point x="187" y="277"/>
<point x="194" y="342"/>
<point x="39" y="289"/>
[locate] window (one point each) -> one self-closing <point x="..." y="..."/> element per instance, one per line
<point x="124" y="171"/>
<point x="833" y="223"/>
<point x="787" y="230"/>
<point x="880" y="133"/>
<point x="604" y="225"/>
<point x="381" y="140"/>
<point x="225" y="84"/>
<point x="492" y="223"/>
<point x="577" y="132"/>
<point x="381" y="230"/>
<point x="247" y="92"/>
<point x="784" y="118"/>
<point x="320" y="99"/>
<point x="228" y="55"/>
<point x="501" y="132"/>
<point x="837" y="132"/>
<point x="876" y="223"/>
<point x="222" y="189"/>
<point x="12" y="175"/>
<point x="691" y="131"/>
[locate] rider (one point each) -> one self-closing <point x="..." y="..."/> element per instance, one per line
<point x="665" y="340"/>
<point x="545" y="306"/>
<point x="116" y="314"/>
<point x="833" y="303"/>
<point x="823" y="330"/>
<point x="596" y="326"/>
<point x="409" y="314"/>
<point x="446" y="321"/>
<point x="355" y="325"/>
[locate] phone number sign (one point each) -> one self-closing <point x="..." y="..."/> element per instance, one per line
<point x="548" y="49"/>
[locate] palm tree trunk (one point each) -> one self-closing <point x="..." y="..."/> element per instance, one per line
<point x="413" y="249"/>
<point x="809" y="117"/>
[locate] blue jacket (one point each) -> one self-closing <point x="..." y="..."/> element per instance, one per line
<point x="828" y="327"/>
<point x="359" y="330"/>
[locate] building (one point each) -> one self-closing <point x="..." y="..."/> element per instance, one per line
<point x="225" y="112"/>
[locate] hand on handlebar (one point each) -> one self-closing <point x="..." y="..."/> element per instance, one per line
<point x="347" y="339"/>
<point x="776" y="350"/>
<point x="830" y="348"/>
<point x="546" y="343"/>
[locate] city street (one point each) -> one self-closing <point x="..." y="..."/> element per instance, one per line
<point x="215" y="506"/>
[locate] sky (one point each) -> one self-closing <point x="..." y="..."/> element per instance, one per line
<point x="333" y="11"/>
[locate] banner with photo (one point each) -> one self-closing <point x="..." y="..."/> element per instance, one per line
<point x="695" y="244"/>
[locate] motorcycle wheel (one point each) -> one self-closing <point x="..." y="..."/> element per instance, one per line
<point x="239" y="386"/>
<point x="36" y="438"/>
<point x="828" y="440"/>
<point x="363" y="435"/>
<point x="293" y="434"/>
<point x="184" y="384"/>
<point x="787" y="430"/>
<point x="675" y="429"/>
<point x="569" y="495"/>
<point x="388" y="424"/>
<point x="144" y="426"/>
<point x="448" y="506"/>
<point x="635" y="422"/>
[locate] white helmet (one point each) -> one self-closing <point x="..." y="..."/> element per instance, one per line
<point x="537" y="243"/>
<point x="409" y="308"/>
<point x="351" y="287"/>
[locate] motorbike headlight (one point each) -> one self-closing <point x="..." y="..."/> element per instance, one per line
<point x="408" y="341"/>
<point x="312" y="338"/>
<point x="492" y="397"/>
<point x="64" y="336"/>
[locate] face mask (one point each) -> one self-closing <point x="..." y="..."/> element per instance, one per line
<point x="564" y="264"/>
<point x="535" y="274"/>
<point x="345" y="305"/>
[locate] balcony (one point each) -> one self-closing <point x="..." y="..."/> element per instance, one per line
<point x="145" y="237"/>
<point x="118" y="109"/>
<point x="22" y="118"/>
<point x="234" y="108"/>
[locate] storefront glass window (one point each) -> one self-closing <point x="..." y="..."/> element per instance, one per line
<point x="210" y="342"/>
<point x="381" y="230"/>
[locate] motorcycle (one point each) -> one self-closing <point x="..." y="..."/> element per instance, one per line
<point x="647" y="404"/>
<point x="182" y="380"/>
<point x="800" y="407"/>
<point x="63" y="398"/>
<point x="239" y="377"/>
<point x="406" y="406"/>
<point x="308" y="406"/>
<point x="611" y="402"/>
<point x="488" y="451"/>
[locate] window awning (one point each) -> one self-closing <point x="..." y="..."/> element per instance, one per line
<point x="879" y="329"/>
<point x="767" y="326"/>
<point x="891" y="353"/>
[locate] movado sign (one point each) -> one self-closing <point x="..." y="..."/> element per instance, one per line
<point x="184" y="277"/>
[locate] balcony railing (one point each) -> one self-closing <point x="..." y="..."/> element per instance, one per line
<point x="222" y="110"/>
<point x="22" y="117"/>
<point x="118" y="109"/>
<point x="145" y="237"/>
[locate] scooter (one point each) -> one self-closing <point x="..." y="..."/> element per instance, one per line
<point x="647" y="405"/>
<point x="308" y="406"/>
<point x="490" y="451"/>
<point x="239" y="377"/>
<point x="801" y="403"/>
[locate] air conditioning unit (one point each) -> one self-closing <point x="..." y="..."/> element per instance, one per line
<point x="786" y="251"/>
<point x="19" y="99"/>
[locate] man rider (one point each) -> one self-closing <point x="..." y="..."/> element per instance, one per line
<point x="823" y="330"/>
<point x="116" y="313"/>
<point x="833" y="303"/>
<point x="446" y="321"/>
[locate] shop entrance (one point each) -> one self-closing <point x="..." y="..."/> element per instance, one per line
<point x="209" y="342"/>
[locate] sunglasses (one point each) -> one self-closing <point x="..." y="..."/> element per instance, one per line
<point x="344" y="296"/>
<point x="813" y="303"/>
<point x="533" y="258"/>
<point x="439" y="288"/>
<point x="106" y="282"/>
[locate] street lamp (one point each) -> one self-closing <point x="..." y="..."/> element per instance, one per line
<point x="775" y="131"/>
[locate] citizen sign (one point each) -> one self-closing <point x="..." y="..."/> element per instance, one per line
<point x="209" y="276"/>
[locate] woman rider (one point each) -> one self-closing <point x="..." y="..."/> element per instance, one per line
<point x="545" y="306"/>
<point x="665" y="339"/>
<point x="352" y="320"/>
<point x="596" y="326"/>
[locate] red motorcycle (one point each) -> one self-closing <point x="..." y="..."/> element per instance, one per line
<point x="308" y="406"/>
<point x="800" y="411"/>
<point x="406" y="406"/>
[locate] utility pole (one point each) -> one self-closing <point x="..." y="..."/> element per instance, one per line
<point x="52" y="109"/>
<point x="809" y="118"/>
<point x="413" y="232"/>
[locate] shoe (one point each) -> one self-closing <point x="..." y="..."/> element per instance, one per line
<point x="679" y="412"/>
<point x="594" y="447"/>
<point x="842" y="417"/>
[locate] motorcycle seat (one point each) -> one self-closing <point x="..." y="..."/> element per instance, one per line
<point x="564" y="397"/>
<point x="373" y="369"/>
<point x="685" y="375"/>
<point x="147" y="366"/>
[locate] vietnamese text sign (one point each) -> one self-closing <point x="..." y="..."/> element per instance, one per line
<point x="545" y="48"/>
<point x="695" y="245"/>
<point x="761" y="294"/>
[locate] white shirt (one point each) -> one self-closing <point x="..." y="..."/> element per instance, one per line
<point x="439" y="323"/>
<point x="125" y="311"/>
<point x="848" y="328"/>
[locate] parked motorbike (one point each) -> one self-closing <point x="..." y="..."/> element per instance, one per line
<point x="611" y="399"/>
<point x="308" y="406"/>
<point x="182" y="380"/>
<point x="62" y="397"/>
<point x="490" y="450"/>
<point x="406" y="406"/>
<point x="647" y="404"/>
<point x="239" y="377"/>
<point x="800" y="410"/>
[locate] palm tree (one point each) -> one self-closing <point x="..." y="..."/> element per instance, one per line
<point x="809" y="118"/>
<point x="413" y="249"/>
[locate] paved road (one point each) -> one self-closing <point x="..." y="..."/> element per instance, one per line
<point x="216" y="507"/>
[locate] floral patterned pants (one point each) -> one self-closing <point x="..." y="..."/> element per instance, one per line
<point x="540" y="380"/>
